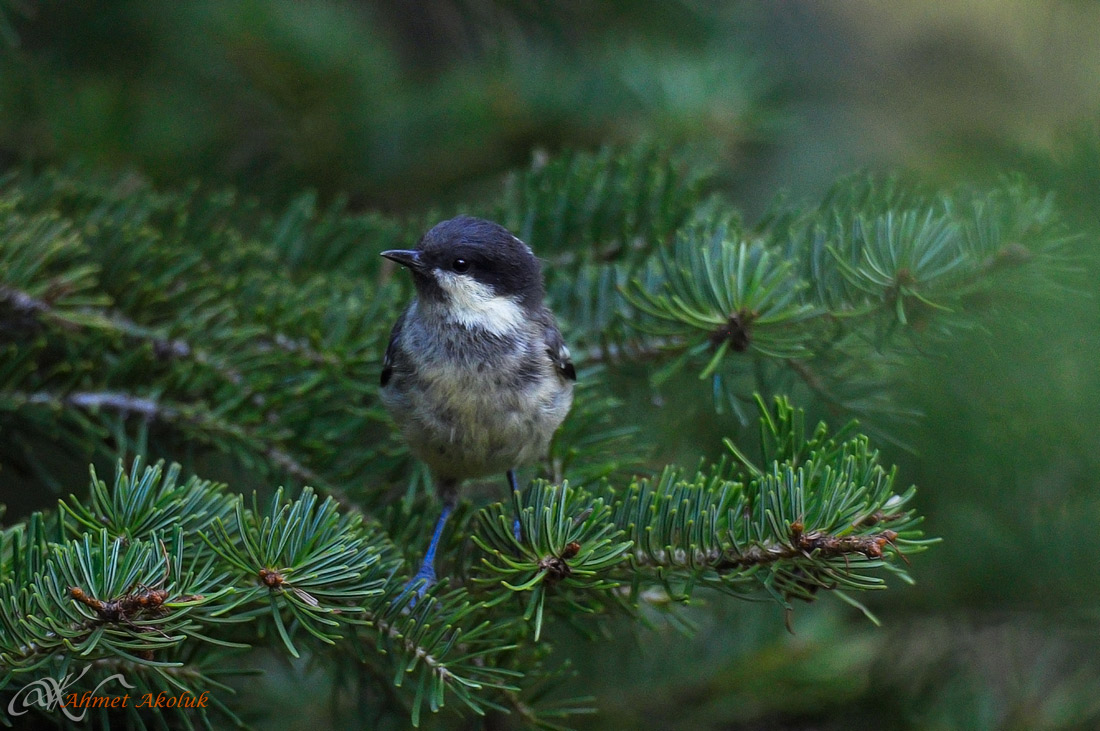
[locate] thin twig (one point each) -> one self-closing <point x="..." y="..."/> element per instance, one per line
<point x="634" y="351"/>
<point x="151" y="409"/>
<point x="21" y="302"/>
<point x="800" y="544"/>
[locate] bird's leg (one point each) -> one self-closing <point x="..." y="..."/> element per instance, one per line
<point x="448" y="491"/>
<point x="427" y="567"/>
<point x="515" y="493"/>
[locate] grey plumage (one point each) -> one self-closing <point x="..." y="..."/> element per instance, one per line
<point x="476" y="374"/>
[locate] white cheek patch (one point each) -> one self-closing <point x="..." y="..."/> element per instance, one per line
<point x="473" y="304"/>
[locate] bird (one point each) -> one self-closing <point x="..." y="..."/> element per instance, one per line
<point x="476" y="374"/>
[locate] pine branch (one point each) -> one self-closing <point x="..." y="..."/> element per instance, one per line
<point x="614" y="204"/>
<point x="234" y="368"/>
<point x="811" y="292"/>
<point x="299" y="570"/>
<point x="245" y="361"/>
<point x="121" y="402"/>
<point x="209" y="425"/>
<point x="186" y="323"/>
<point x="815" y="519"/>
<point x="804" y="544"/>
<point x="805" y="522"/>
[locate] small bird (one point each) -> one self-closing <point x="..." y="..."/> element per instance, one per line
<point x="476" y="373"/>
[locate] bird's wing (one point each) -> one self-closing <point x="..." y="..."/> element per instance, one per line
<point x="558" y="352"/>
<point x="387" y="361"/>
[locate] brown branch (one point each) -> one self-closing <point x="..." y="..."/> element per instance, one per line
<point x="33" y="309"/>
<point x="151" y="409"/>
<point x="804" y="544"/>
<point x="800" y="544"/>
<point x="27" y="306"/>
<point x="410" y="646"/>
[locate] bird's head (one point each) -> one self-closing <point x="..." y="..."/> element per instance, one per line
<point x="475" y="272"/>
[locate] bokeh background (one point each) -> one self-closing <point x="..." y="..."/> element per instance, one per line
<point x="401" y="107"/>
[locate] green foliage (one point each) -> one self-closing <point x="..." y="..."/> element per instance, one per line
<point x="203" y="328"/>
<point x="276" y="96"/>
<point x="237" y="334"/>
<point x="857" y="256"/>
<point x="229" y="576"/>
<point x="608" y="204"/>
<point x="734" y="292"/>
<point x="566" y="545"/>
<point x="232" y="576"/>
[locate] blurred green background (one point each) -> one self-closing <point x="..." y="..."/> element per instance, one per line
<point x="400" y="107"/>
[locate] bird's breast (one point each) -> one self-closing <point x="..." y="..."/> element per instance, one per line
<point x="471" y="403"/>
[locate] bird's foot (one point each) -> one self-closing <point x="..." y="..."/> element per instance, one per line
<point x="426" y="573"/>
<point x="423" y="580"/>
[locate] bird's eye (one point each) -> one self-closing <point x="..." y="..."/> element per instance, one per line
<point x="460" y="265"/>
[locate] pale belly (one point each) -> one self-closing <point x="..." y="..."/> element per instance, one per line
<point x="476" y="421"/>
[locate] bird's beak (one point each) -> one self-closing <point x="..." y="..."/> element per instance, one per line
<point x="407" y="258"/>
